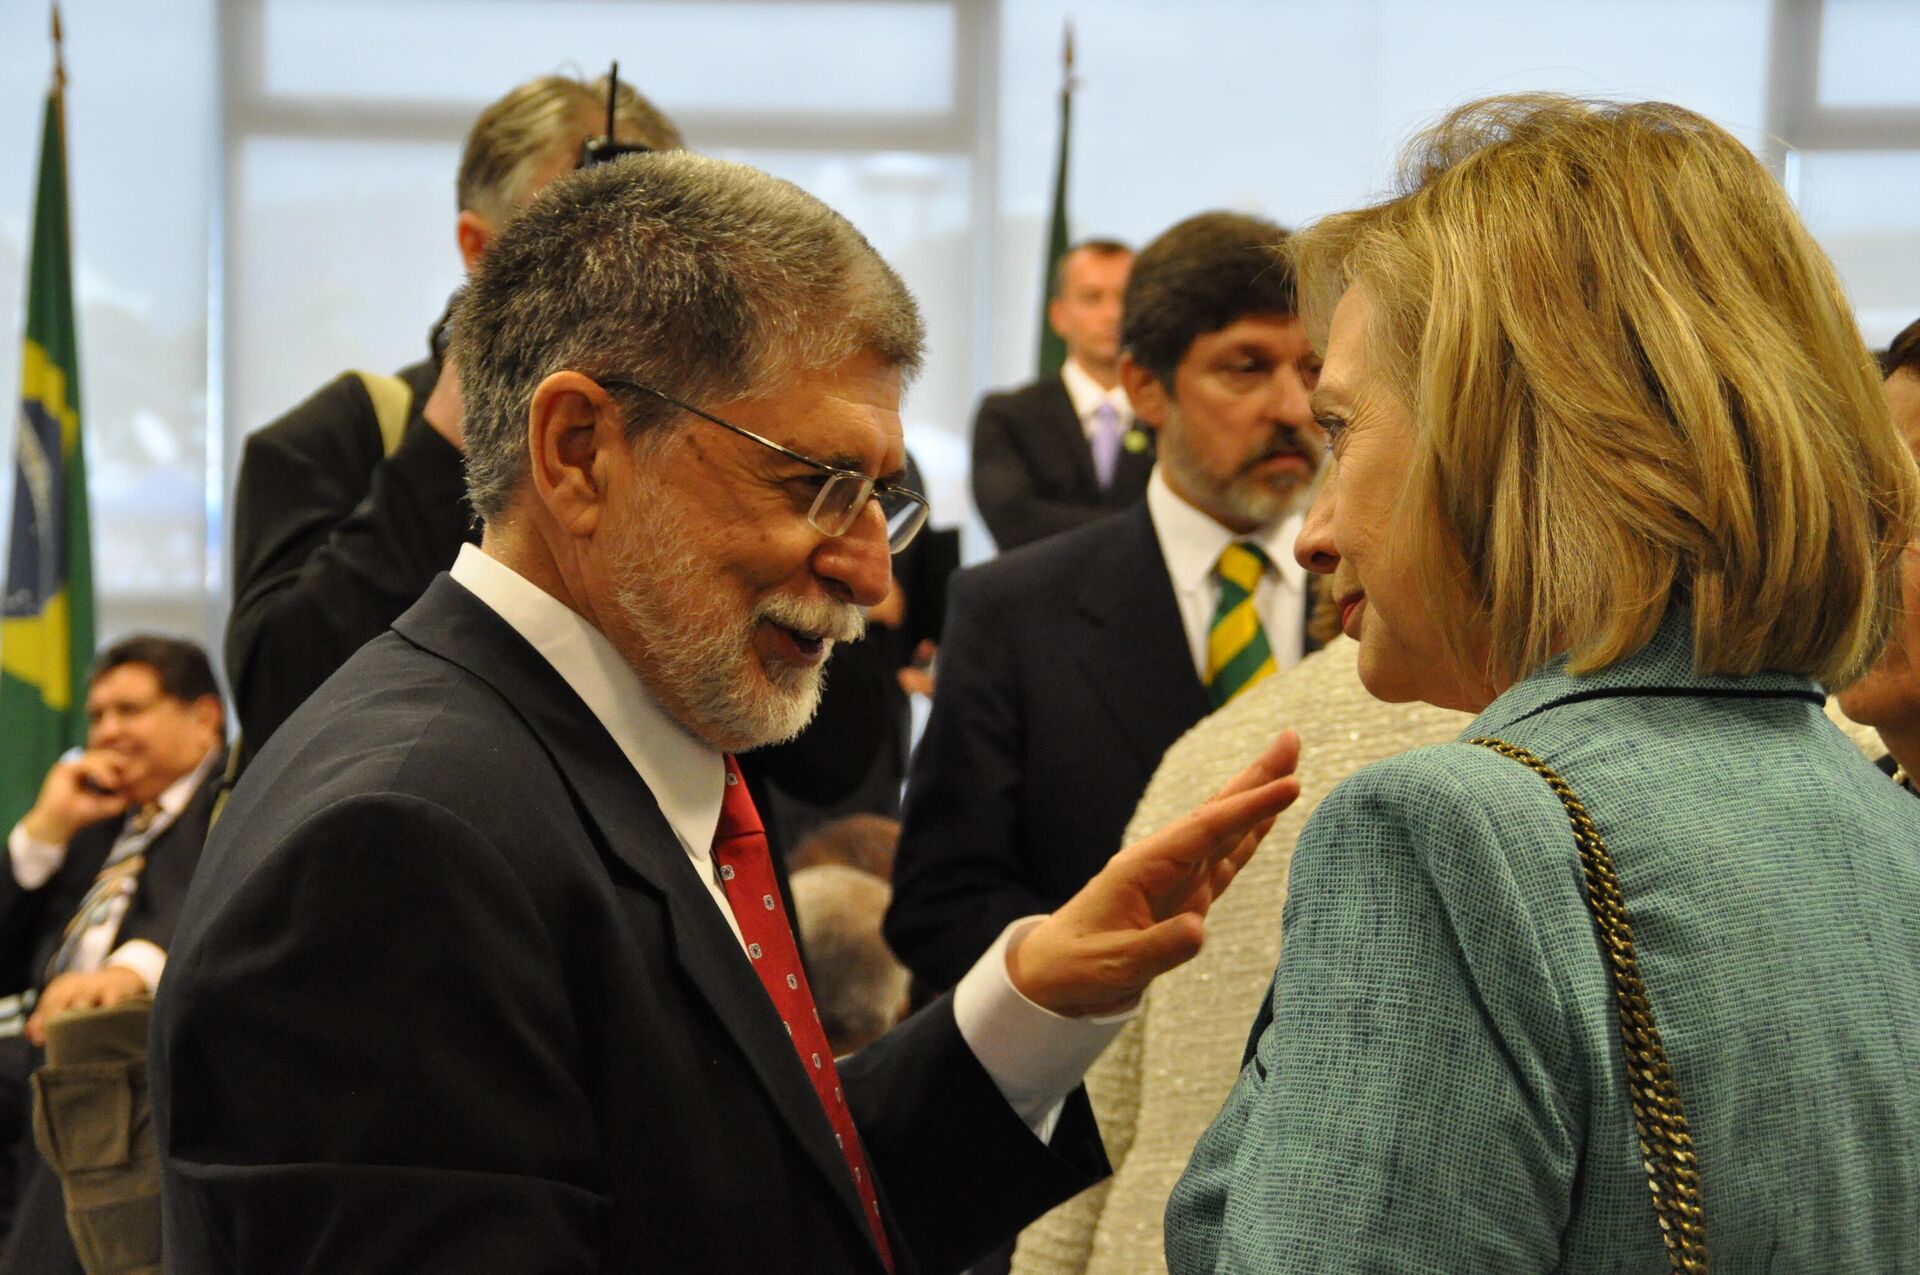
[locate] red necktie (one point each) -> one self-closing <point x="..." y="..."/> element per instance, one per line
<point x="746" y="873"/>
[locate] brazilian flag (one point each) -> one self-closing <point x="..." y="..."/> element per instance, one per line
<point x="46" y="620"/>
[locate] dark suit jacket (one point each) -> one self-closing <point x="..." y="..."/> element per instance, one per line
<point x="1033" y="472"/>
<point x="449" y="996"/>
<point x="1064" y="675"/>
<point x="32" y="922"/>
<point x="332" y="539"/>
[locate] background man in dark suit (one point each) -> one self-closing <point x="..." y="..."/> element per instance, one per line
<point x="1068" y="667"/>
<point x="484" y="969"/>
<point x="1063" y="451"/>
<point x="97" y="872"/>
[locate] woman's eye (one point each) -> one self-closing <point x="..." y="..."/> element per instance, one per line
<point x="1333" y="427"/>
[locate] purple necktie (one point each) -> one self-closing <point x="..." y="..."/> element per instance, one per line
<point x="1105" y="441"/>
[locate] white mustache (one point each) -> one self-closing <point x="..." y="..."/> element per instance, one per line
<point x="834" y="621"/>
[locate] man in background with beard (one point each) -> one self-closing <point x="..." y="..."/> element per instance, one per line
<point x="484" y="968"/>
<point x="1068" y="667"/>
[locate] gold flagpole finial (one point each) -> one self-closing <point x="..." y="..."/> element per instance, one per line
<point x="59" y="58"/>
<point x="1066" y="58"/>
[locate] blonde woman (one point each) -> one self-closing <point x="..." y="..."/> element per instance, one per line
<point x="1611" y="470"/>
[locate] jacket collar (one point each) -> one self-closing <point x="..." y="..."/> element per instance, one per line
<point x="1663" y="667"/>
<point x="625" y="820"/>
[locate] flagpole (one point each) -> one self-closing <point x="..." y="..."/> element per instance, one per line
<point x="1053" y="351"/>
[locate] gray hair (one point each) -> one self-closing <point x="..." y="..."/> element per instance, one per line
<point x="706" y="280"/>
<point x="525" y="131"/>
<point x="858" y="984"/>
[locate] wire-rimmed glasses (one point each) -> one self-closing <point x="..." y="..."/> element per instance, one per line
<point x="843" y="493"/>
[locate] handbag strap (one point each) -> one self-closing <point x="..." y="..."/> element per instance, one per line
<point x="1666" y="1144"/>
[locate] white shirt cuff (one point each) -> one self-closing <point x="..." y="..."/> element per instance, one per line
<point x="1034" y="1056"/>
<point x="34" y="862"/>
<point x="143" y="958"/>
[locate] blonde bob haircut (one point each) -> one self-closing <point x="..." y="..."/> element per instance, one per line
<point x="1635" y="384"/>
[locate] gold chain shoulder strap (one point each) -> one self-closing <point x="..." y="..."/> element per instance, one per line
<point x="1666" y="1145"/>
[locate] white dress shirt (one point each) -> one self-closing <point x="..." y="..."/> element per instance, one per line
<point x="1034" y="1056"/>
<point x="34" y="862"/>
<point x="1086" y="395"/>
<point x="1191" y="544"/>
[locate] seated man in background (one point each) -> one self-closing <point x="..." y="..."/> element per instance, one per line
<point x="97" y="871"/>
<point x="858" y="986"/>
<point x="1068" y="667"/>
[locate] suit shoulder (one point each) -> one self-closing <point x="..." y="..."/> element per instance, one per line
<point x="1048" y="570"/>
<point x="1437" y="781"/>
<point x="336" y="420"/>
<point x="1023" y="400"/>
<point x="1462" y="813"/>
<point x="399" y="718"/>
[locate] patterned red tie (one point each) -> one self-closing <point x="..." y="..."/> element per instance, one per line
<point x="746" y="873"/>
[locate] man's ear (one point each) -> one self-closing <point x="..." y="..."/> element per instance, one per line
<point x="1053" y="316"/>
<point x="208" y="715"/>
<point x="1144" y="391"/>
<point x="573" y="431"/>
<point x="473" y="233"/>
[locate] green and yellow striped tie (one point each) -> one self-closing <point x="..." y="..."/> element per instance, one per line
<point x="1237" y="650"/>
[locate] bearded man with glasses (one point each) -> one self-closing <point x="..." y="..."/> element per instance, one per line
<point x="485" y="968"/>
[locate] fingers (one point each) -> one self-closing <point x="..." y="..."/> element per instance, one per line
<point x="1162" y="946"/>
<point x="1226" y="818"/>
<point x="1280" y="757"/>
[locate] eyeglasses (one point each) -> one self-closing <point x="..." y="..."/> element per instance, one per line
<point x="843" y="493"/>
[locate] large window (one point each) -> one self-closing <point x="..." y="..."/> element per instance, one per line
<point x="263" y="189"/>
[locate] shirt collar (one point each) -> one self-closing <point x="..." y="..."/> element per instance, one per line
<point x="1086" y="394"/>
<point x="686" y="777"/>
<point x="1191" y="542"/>
<point x="174" y="797"/>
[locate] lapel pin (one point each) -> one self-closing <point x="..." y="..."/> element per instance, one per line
<point x="1135" y="440"/>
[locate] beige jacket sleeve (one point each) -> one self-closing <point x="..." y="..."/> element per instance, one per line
<point x="1161" y="1082"/>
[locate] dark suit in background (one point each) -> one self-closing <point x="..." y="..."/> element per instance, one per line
<point x="32" y="924"/>
<point x="332" y="538"/>
<point x="1064" y="675"/>
<point x="450" y="995"/>
<point x="1033" y="473"/>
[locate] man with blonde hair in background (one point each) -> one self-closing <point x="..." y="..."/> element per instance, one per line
<point x="348" y="505"/>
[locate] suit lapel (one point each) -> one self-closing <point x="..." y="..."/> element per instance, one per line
<point x="1135" y="654"/>
<point x="1064" y="437"/>
<point x="624" y="820"/>
<point x="1130" y="472"/>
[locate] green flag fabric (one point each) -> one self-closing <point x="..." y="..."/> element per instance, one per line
<point x="46" y="614"/>
<point x="1053" y="351"/>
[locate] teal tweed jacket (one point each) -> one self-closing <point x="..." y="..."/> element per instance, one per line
<point x="1436" y="1081"/>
